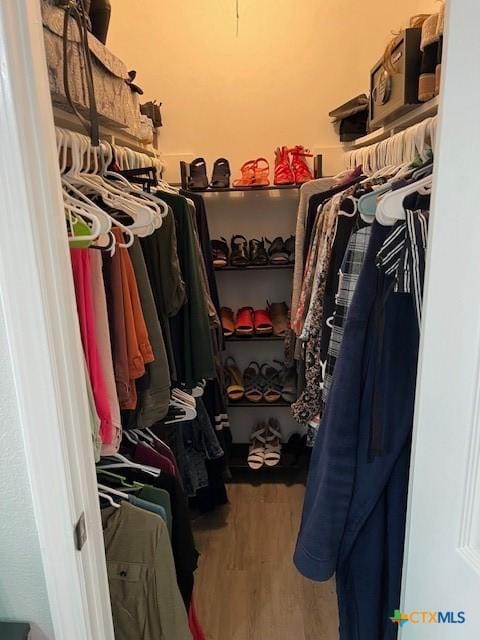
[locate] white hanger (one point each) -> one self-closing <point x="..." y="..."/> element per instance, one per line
<point x="109" y="499"/>
<point x="390" y="207"/>
<point x="80" y="147"/>
<point x="125" y="462"/>
<point x="115" y="492"/>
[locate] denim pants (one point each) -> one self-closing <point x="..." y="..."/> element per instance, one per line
<point x="353" y="521"/>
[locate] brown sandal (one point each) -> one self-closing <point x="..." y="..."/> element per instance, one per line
<point x="279" y="314"/>
<point x="228" y="322"/>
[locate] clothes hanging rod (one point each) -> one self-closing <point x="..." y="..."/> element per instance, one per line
<point x="110" y="131"/>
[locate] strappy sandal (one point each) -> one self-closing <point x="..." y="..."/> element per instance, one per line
<point x="253" y="382"/>
<point x="300" y="168"/>
<point x="283" y="171"/>
<point x="233" y="380"/>
<point x="272" y="386"/>
<point x="277" y="252"/>
<point x="258" y="253"/>
<point x="273" y="444"/>
<point x="290" y="248"/>
<point x="239" y="252"/>
<point x="262" y="322"/>
<point x="219" y="253"/>
<point x="198" y="180"/>
<point x="221" y="174"/>
<point x="288" y="382"/>
<point x="256" y="451"/>
<point x="228" y="322"/>
<point x="262" y="172"/>
<point x="279" y="315"/>
<point x="248" y="175"/>
<point x="244" y="322"/>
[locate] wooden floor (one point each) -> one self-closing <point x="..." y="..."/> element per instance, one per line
<point x="247" y="587"/>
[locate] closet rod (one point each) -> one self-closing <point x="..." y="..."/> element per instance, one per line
<point x="133" y="158"/>
<point x="417" y="141"/>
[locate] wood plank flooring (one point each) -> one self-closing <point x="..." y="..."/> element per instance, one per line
<point x="247" y="587"/>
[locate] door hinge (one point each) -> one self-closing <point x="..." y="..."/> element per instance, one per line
<point x="80" y="533"/>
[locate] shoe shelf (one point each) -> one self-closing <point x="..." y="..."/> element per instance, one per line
<point x="254" y="338"/>
<point x="251" y="405"/>
<point x="292" y="468"/>
<point x="283" y="187"/>
<point x="254" y="267"/>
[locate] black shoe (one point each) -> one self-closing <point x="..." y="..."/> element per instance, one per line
<point x="197" y="180"/>
<point x="290" y="247"/>
<point x="221" y="174"/>
<point x="219" y="253"/>
<point x="239" y="255"/>
<point x="258" y="253"/>
<point x="277" y="253"/>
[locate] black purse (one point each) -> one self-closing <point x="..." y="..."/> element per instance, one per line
<point x="76" y="9"/>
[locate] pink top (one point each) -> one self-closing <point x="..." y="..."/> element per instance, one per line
<point x="83" y="293"/>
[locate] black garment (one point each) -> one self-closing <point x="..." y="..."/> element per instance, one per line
<point x="313" y="204"/>
<point x="190" y="328"/>
<point x="154" y="249"/>
<point x="183" y="545"/>
<point x="99" y="12"/>
<point x="204" y="237"/>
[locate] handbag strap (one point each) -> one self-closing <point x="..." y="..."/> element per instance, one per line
<point x="76" y="10"/>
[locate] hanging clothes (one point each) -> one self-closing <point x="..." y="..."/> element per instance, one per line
<point x="145" y="599"/>
<point x="353" y="521"/>
<point x="190" y="327"/>
<point x="82" y="278"/>
<point x="153" y="401"/>
<point x="166" y="279"/>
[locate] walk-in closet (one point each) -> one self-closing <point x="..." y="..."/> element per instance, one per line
<point x="240" y="326"/>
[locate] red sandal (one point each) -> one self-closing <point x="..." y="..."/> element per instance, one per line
<point x="283" y="170"/>
<point x="263" y="322"/>
<point x="262" y="172"/>
<point x="300" y="168"/>
<point x="244" y="325"/>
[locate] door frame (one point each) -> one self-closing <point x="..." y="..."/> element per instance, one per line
<point x="37" y="296"/>
<point x="445" y="466"/>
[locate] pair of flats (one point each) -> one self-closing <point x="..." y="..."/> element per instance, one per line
<point x="244" y="253"/>
<point x="249" y="322"/>
<point x="265" y="445"/>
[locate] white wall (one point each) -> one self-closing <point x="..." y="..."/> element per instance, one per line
<point x="23" y="593"/>
<point x="274" y="84"/>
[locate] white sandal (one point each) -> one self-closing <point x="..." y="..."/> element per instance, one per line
<point x="273" y="445"/>
<point x="256" y="453"/>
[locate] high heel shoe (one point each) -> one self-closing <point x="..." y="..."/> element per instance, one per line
<point x="300" y="168"/>
<point x="283" y="174"/>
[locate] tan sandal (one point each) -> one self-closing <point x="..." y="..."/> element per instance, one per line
<point x="256" y="451"/>
<point x="279" y="314"/>
<point x="273" y="443"/>
<point x="233" y="380"/>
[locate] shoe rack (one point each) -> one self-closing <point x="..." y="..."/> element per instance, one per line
<point x="254" y="213"/>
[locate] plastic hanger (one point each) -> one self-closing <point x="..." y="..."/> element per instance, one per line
<point x="80" y="148"/>
<point x="109" y="499"/>
<point x="115" y="492"/>
<point x="125" y="462"/>
<point x="390" y="209"/>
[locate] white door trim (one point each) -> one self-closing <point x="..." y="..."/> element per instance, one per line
<point x="42" y="329"/>
<point x="442" y="548"/>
